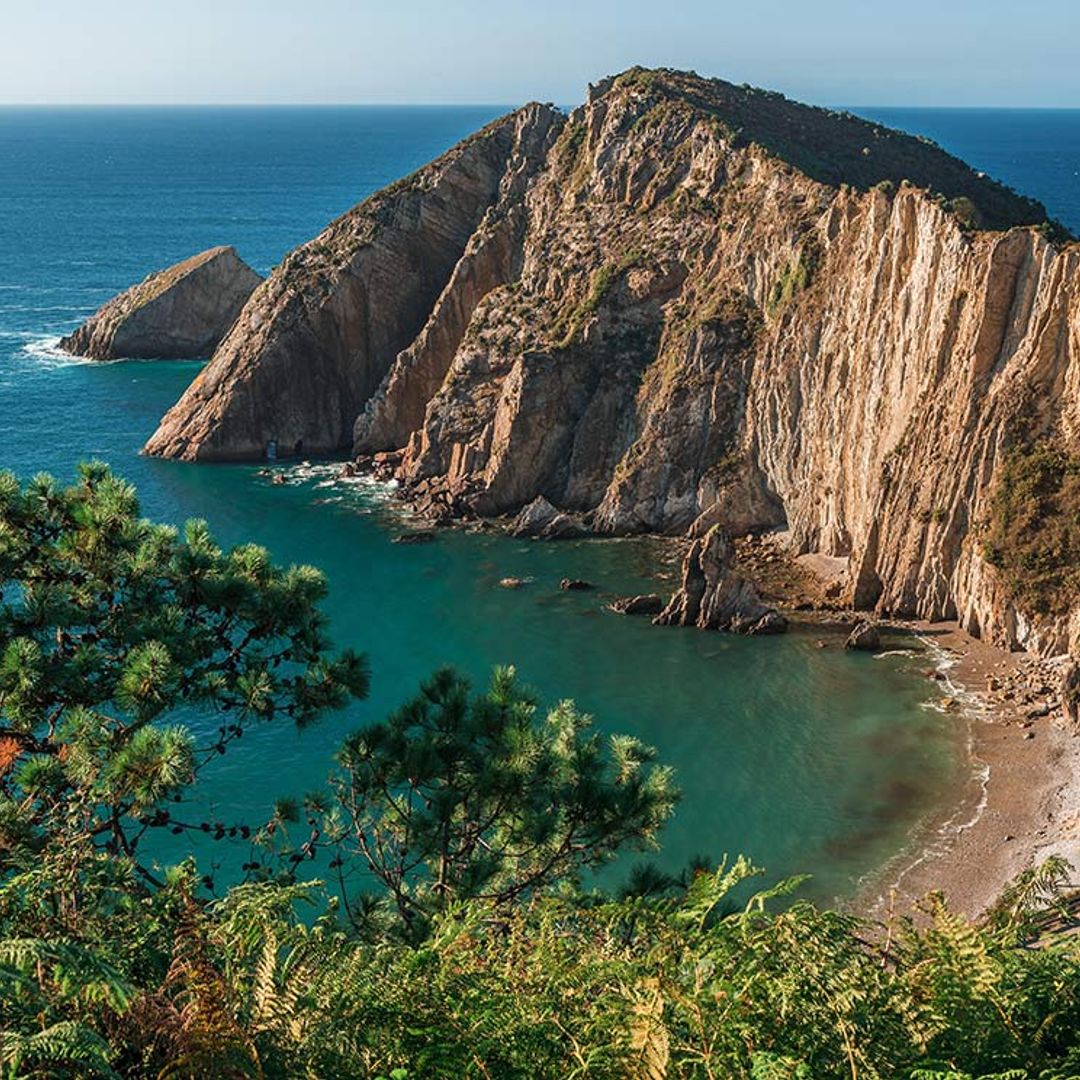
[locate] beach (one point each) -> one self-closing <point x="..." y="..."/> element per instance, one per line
<point x="1020" y="801"/>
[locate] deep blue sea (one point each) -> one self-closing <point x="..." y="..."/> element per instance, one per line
<point x="802" y="757"/>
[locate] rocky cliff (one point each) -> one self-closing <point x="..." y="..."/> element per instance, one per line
<point x="319" y="336"/>
<point x="179" y="313"/>
<point x="691" y="305"/>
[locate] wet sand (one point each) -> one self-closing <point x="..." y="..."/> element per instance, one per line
<point x="1020" y="801"/>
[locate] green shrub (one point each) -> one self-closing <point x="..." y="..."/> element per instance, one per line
<point x="1032" y="536"/>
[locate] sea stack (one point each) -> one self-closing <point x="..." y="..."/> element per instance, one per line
<point x="179" y="313"/>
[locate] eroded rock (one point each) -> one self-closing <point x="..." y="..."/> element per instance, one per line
<point x="714" y="596"/>
<point x="865" y="636"/>
<point x="182" y="312"/>
<point x="646" y="604"/>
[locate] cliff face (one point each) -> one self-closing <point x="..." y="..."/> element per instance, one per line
<point x="178" y="313"/>
<point x="317" y="338"/>
<point x="692" y="305"/>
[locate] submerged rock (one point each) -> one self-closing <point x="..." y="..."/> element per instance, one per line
<point x="179" y="313"/>
<point x="575" y="585"/>
<point x="864" y="636"/>
<point x="415" y="536"/>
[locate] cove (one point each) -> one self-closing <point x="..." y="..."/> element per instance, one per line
<point x="805" y="759"/>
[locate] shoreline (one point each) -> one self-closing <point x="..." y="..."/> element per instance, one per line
<point x="1020" y="794"/>
<point x="1019" y="776"/>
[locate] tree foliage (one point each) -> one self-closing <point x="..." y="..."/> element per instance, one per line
<point x="110" y="624"/>
<point x="459" y="797"/>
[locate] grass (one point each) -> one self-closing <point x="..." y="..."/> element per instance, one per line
<point x="795" y="278"/>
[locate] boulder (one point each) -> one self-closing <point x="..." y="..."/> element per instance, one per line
<point x="575" y="585"/>
<point x="179" y="313"/>
<point x="645" y="604"/>
<point x="864" y="636"/>
<point x="772" y="622"/>
<point x="1069" y="692"/>
<point x="542" y="520"/>
<point x="534" y="518"/>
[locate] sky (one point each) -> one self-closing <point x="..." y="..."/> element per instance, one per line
<point x="829" y="52"/>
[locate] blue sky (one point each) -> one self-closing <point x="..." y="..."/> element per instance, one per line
<point x="837" y="52"/>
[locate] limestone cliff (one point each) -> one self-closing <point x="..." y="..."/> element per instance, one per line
<point x="179" y="313"/>
<point x="691" y="305"/>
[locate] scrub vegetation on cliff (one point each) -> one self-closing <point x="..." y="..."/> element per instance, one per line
<point x="1033" y="529"/>
<point x="454" y="936"/>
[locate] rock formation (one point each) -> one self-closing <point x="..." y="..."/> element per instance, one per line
<point x="714" y="596"/>
<point x="317" y="339"/>
<point x="179" y="313"/>
<point x="688" y="305"/>
<point x="645" y="604"/>
<point x="864" y="636"/>
<point x="541" y="519"/>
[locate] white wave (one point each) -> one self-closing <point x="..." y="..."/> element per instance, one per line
<point x="47" y="350"/>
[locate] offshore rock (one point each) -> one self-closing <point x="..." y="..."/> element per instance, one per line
<point x="179" y="313"/>
<point x="645" y="604"/>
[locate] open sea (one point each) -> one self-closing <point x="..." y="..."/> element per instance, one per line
<point x="803" y="758"/>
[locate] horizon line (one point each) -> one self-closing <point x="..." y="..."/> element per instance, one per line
<point x="458" y="105"/>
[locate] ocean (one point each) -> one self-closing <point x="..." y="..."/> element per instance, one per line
<point x="801" y="757"/>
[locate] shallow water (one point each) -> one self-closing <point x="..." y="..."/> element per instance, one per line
<point x="802" y="757"/>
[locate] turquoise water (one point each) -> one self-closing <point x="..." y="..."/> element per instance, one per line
<point x="802" y="757"/>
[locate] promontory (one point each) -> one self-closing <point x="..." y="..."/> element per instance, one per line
<point x="690" y="305"/>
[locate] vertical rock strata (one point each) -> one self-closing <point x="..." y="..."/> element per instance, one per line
<point x="687" y="307"/>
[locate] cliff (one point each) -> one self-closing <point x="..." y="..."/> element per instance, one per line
<point x="179" y="313"/>
<point x="692" y="305"/>
<point x="321" y="333"/>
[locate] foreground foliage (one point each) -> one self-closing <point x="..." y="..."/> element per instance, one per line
<point x="109" y="624"/>
<point x="564" y="986"/>
<point x="455" y="940"/>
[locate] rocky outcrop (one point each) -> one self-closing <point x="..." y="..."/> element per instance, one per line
<point x="864" y="636"/>
<point x="713" y="595"/>
<point x="317" y="339"/>
<point x="688" y="308"/>
<point x="543" y="521"/>
<point x="645" y="604"/>
<point x="179" y="313"/>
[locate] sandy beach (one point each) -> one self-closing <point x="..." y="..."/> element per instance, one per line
<point x="1020" y="802"/>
